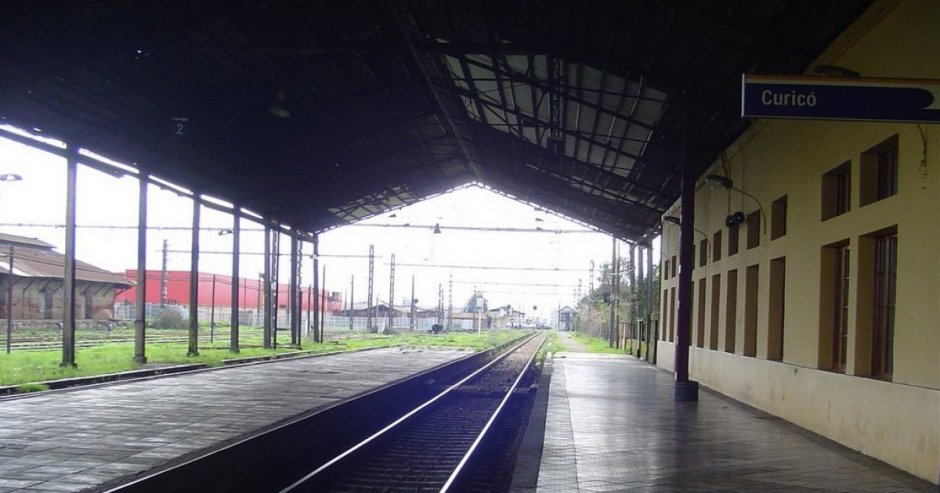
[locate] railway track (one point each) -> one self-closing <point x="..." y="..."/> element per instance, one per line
<point x="439" y="445"/>
<point x="423" y="432"/>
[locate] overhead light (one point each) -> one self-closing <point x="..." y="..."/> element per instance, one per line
<point x="392" y="215"/>
<point x="719" y="181"/>
<point x="437" y="228"/>
<point x="10" y="177"/>
<point x="226" y="231"/>
<point x="277" y="107"/>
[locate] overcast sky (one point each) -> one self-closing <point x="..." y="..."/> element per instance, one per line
<point x="515" y="269"/>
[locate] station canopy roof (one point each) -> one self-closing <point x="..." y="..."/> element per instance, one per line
<point x="321" y="113"/>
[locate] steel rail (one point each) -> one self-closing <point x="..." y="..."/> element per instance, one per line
<point x="499" y="409"/>
<point x="300" y="483"/>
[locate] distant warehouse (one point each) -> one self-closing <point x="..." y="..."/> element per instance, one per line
<point x="37" y="283"/>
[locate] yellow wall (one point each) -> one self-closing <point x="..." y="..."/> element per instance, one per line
<point x="898" y="421"/>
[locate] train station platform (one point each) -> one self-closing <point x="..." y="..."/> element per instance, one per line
<point x="75" y="439"/>
<point x="612" y="425"/>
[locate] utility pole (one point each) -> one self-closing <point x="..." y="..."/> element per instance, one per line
<point x="370" y="291"/>
<point x="440" y="304"/>
<point x="450" y="301"/>
<point x="352" y="305"/>
<point x="391" y="296"/>
<point x="411" y="320"/>
<point x="591" y="278"/>
<point x="163" y="287"/>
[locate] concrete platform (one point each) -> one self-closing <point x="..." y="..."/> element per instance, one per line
<point x="612" y="426"/>
<point x="75" y="439"/>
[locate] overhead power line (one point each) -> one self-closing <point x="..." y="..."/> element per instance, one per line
<point x="490" y="267"/>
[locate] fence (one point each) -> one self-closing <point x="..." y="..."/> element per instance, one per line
<point x="331" y="322"/>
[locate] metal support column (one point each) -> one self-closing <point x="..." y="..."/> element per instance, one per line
<point x="266" y="311"/>
<point x="640" y="309"/>
<point x="194" y="283"/>
<point x="650" y="339"/>
<point x="631" y="296"/>
<point x="369" y="307"/>
<point x="611" y="326"/>
<point x="68" y="279"/>
<point x="140" y="324"/>
<point x="316" y="288"/>
<point x="309" y="309"/>
<point x="236" y="306"/>
<point x="323" y="299"/>
<point x="10" y="303"/>
<point x="275" y="282"/>
<point x="292" y="293"/>
<point x="212" y="313"/>
<point x="391" y="296"/>
<point x="685" y="389"/>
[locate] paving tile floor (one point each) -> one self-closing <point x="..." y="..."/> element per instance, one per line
<point x="74" y="440"/>
<point x="612" y="426"/>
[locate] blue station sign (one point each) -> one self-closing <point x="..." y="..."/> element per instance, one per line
<point x="828" y="98"/>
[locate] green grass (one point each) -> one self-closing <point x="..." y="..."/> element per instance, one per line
<point x="596" y="344"/>
<point x="22" y="367"/>
<point x="554" y="344"/>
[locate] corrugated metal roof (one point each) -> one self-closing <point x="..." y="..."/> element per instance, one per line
<point x="7" y="239"/>
<point x="42" y="263"/>
<point x="575" y="106"/>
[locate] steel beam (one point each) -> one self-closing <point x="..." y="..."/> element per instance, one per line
<point x="140" y="332"/>
<point x="68" y="279"/>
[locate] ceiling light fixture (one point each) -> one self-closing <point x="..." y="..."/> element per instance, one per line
<point x="678" y="222"/>
<point x="277" y="107"/>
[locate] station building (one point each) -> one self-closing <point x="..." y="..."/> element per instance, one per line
<point x="820" y="303"/>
